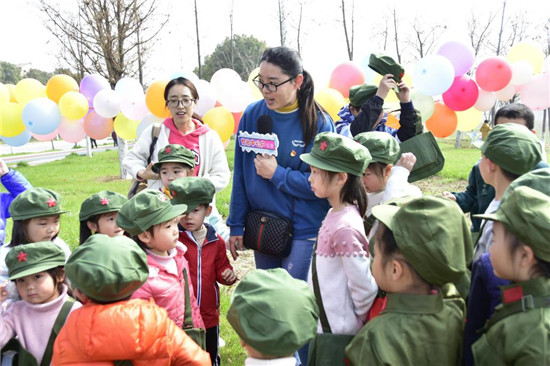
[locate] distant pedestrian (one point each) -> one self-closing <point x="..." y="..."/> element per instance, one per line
<point x="94" y="142"/>
<point x="115" y="140"/>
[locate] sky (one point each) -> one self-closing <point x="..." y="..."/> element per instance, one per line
<point x="25" y="41"/>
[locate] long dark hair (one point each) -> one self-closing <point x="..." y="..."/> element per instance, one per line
<point x="185" y="82"/>
<point x="19" y="233"/>
<point x="85" y="231"/>
<point x="291" y="64"/>
<point x="353" y="192"/>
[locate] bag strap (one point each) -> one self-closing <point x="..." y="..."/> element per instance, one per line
<point x="527" y="302"/>
<point x="155" y="132"/>
<point x="322" y="314"/>
<point x="188" y="316"/>
<point x="57" y="325"/>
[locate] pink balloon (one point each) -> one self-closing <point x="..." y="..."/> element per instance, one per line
<point x="47" y="137"/>
<point x="462" y="94"/>
<point x="485" y="100"/>
<point x="506" y="93"/>
<point x="461" y="56"/>
<point x="493" y="73"/>
<point x="346" y="75"/>
<point x="72" y="131"/>
<point x="98" y="127"/>
<point x="91" y="84"/>
<point x="536" y="93"/>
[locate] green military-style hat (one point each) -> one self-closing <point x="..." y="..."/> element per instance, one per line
<point x="100" y="203"/>
<point x="174" y="153"/>
<point x="192" y="191"/>
<point x="145" y="209"/>
<point x="383" y="65"/>
<point x="432" y="234"/>
<point x="36" y="202"/>
<point x="513" y="148"/>
<point x="382" y="146"/>
<point x="526" y="214"/>
<point x="337" y="153"/>
<point x="107" y="269"/>
<point x="537" y="179"/>
<point x="27" y="259"/>
<point x="359" y="94"/>
<point x="273" y="312"/>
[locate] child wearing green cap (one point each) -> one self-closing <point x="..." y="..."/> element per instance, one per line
<point x="153" y="222"/>
<point x="206" y="253"/>
<point x="518" y="331"/>
<point x="105" y="272"/>
<point x="98" y="214"/>
<point x="38" y="272"/>
<point x="419" y="247"/>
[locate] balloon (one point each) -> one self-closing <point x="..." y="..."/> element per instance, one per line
<point x="344" y="76"/>
<point x="224" y="81"/>
<point x="11" y="89"/>
<point x="468" y="119"/>
<point x="460" y="54"/>
<point x="72" y="131"/>
<point x="506" y="93"/>
<point x="125" y="128"/>
<point x="91" y="85"/>
<point x="525" y="51"/>
<point x="207" y="97"/>
<point x="522" y="72"/>
<point x="128" y="87"/>
<point x="41" y="116"/>
<point x="107" y="103"/>
<point x="220" y="120"/>
<point x="12" y="123"/>
<point x="236" y="120"/>
<point x="493" y="73"/>
<point x="134" y="108"/>
<point x="146" y="122"/>
<point x="238" y="99"/>
<point x="332" y="100"/>
<point x="18" y="140"/>
<point x="536" y="93"/>
<point x="73" y="105"/>
<point x="433" y="75"/>
<point x="4" y="94"/>
<point x="392" y="121"/>
<point x="97" y="127"/>
<point x="443" y="121"/>
<point x="154" y="98"/>
<point x="424" y="104"/>
<point x="256" y="94"/>
<point x="59" y="85"/>
<point x="485" y="100"/>
<point x="28" y="89"/>
<point x="189" y="75"/>
<point x="48" y="137"/>
<point x="369" y="73"/>
<point x="462" y="94"/>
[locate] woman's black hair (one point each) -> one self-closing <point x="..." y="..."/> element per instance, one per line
<point x="291" y="64"/>
<point x="353" y="192"/>
<point x="19" y="233"/>
<point x="185" y="82"/>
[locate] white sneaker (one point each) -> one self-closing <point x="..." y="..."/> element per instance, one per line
<point x="221" y="343"/>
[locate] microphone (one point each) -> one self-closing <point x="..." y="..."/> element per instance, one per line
<point x="262" y="142"/>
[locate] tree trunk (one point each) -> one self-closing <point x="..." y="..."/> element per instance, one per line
<point x="198" y="39"/>
<point x="396" y="36"/>
<point x="122" y="151"/>
<point x="348" y="44"/>
<point x="457" y="141"/>
<point x="501" y="27"/>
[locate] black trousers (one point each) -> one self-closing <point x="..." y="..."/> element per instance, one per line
<point x="212" y="338"/>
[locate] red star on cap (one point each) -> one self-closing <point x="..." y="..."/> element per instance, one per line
<point x="168" y="150"/>
<point x="22" y="257"/>
<point x="51" y="202"/>
<point x="173" y="193"/>
<point x="323" y="146"/>
<point x="104" y="201"/>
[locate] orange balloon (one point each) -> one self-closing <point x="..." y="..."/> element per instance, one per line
<point x="59" y="85"/>
<point x="154" y="98"/>
<point x="443" y="121"/>
<point x="392" y="121"/>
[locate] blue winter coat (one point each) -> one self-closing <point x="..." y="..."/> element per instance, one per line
<point x="15" y="183"/>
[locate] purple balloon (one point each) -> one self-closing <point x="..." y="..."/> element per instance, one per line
<point x="461" y="56"/>
<point x="91" y="84"/>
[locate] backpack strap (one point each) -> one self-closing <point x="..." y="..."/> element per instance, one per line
<point x="322" y="314"/>
<point x="526" y="303"/>
<point x="188" y="316"/>
<point x="155" y="132"/>
<point x="57" y="325"/>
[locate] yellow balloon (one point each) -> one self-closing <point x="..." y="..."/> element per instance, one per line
<point x="12" y="122"/>
<point x="73" y="105"/>
<point x="4" y="94"/>
<point x="256" y="94"/>
<point x="59" y="85"/>
<point x="11" y="89"/>
<point x="28" y="89"/>
<point x="468" y="119"/>
<point x="125" y="127"/>
<point x="220" y="120"/>
<point x="529" y="52"/>
<point x="332" y="100"/>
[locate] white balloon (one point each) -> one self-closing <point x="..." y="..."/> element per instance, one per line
<point x="506" y="93"/>
<point x="107" y="103"/>
<point x="238" y="99"/>
<point x="522" y="72"/>
<point x="485" y="100"/>
<point x="128" y="87"/>
<point x="207" y="97"/>
<point x="433" y="75"/>
<point x="134" y="108"/>
<point x="146" y="122"/>
<point x="224" y="82"/>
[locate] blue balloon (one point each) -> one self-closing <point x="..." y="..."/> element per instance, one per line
<point x="18" y="140"/>
<point x="41" y="116"/>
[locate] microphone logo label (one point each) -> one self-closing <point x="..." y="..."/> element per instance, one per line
<point x="258" y="143"/>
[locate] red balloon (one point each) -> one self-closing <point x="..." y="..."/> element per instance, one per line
<point x="237" y="118"/>
<point x="493" y="73"/>
<point x="443" y="121"/>
<point x="344" y="76"/>
<point x="98" y="127"/>
<point x="462" y="94"/>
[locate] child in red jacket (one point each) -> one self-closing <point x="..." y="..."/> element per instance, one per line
<point x="206" y="253"/>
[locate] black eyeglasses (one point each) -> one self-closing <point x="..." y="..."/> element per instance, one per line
<point x="269" y="86"/>
<point x="186" y="102"/>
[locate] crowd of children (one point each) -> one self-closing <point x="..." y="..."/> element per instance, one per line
<point x="396" y="277"/>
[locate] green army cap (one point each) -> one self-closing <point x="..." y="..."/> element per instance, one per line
<point x="359" y="94"/>
<point x="27" y="259"/>
<point x="513" y="148"/>
<point x="100" y="203"/>
<point x="107" y="269"/>
<point x="432" y="234"/>
<point x="192" y="191"/>
<point x="383" y="65"/>
<point x="337" y="153"/>
<point x="273" y="312"/>
<point x="382" y="146"/>
<point x="526" y="214"/>
<point x="36" y="202"/>
<point x="537" y="179"/>
<point x="174" y="153"/>
<point x="145" y="209"/>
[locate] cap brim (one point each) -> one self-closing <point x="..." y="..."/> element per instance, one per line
<point x="36" y="269"/>
<point x="491" y="217"/>
<point x="317" y="163"/>
<point x="172" y="212"/>
<point x="156" y="166"/>
<point x="385" y="214"/>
